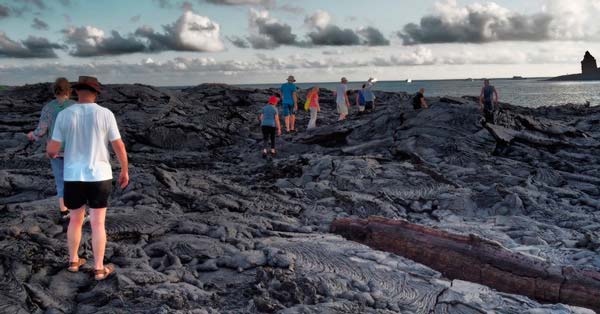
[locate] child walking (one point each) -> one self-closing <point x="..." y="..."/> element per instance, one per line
<point x="269" y="121"/>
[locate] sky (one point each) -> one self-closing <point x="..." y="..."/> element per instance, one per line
<point x="188" y="42"/>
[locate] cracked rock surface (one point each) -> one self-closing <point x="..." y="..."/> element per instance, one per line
<point x="207" y="226"/>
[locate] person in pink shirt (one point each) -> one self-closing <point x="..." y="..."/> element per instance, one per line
<point x="314" y="107"/>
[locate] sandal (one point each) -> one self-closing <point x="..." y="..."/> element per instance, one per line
<point x="101" y="274"/>
<point x="74" y="266"/>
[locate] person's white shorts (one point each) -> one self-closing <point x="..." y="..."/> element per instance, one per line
<point x="342" y="108"/>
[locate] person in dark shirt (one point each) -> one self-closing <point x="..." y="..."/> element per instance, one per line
<point x="488" y="100"/>
<point x="419" y="101"/>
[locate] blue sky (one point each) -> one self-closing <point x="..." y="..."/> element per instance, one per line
<point x="259" y="41"/>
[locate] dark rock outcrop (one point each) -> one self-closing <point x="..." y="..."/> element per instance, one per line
<point x="208" y="226"/>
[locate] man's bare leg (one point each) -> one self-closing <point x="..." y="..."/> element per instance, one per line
<point x="293" y="122"/>
<point x="74" y="233"/>
<point x="287" y="123"/>
<point x="97" y="219"/>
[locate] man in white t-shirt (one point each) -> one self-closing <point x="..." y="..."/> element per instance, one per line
<point x="85" y="128"/>
<point x="341" y="99"/>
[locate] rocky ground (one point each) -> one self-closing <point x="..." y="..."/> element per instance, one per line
<point x="208" y="226"/>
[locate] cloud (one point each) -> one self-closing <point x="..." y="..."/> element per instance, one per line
<point x="37" y="3"/>
<point x="187" y="6"/>
<point x="326" y="34"/>
<point x="191" y="32"/>
<point x="290" y="9"/>
<point x="373" y="37"/>
<point x="266" y="3"/>
<point x="32" y="47"/>
<point x="39" y="24"/>
<point x="135" y="19"/>
<point x="573" y="19"/>
<point x="89" y="41"/>
<point x="4" y="11"/>
<point x="489" y="22"/>
<point x="270" y="33"/>
<point x="164" y="4"/>
<point x="238" y="42"/>
<point x="320" y="19"/>
<point x="332" y="35"/>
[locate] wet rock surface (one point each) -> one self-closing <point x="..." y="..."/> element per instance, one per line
<point x="208" y="226"/>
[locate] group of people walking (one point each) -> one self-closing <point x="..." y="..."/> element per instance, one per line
<point x="269" y="115"/>
<point x="78" y="134"/>
<point x="365" y="100"/>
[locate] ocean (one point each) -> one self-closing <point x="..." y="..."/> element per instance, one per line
<point x="527" y="92"/>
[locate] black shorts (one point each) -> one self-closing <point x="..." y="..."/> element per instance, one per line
<point x="93" y="194"/>
<point x="369" y="105"/>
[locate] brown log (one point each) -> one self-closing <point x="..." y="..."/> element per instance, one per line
<point x="477" y="260"/>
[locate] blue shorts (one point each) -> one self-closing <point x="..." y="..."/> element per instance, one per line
<point x="58" y="167"/>
<point x="288" y="110"/>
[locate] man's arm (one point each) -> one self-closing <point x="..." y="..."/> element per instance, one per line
<point x="53" y="148"/>
<point x="119" y="148"/>
<point x="424" y="103"/>
<point x="260" y="117"/>
<point x="347" y="100"/>
<point x="496" y="96"/>
<point x="42" y="127"/>
<point x="295" y="96"/>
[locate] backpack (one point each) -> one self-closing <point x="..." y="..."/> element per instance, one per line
<point x="307" y="103"/>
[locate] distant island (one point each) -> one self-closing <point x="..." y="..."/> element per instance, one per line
<point x="589" y="71"/>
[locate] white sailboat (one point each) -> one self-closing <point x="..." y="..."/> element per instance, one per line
<point x="408" y="81"/>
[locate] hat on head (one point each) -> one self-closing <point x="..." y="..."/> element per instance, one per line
<point x="291" y="78"/>
<point x="273" y="100"/>
<point x="88" y="82"/>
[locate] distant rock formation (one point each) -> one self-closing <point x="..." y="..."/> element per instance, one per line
<point x="588" y="64"/>
<point x="589" y="71"/>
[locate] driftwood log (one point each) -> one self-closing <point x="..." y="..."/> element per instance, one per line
<point x="477" y="260"/>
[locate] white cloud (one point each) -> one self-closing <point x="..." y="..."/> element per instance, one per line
<point x="320" y="19"/>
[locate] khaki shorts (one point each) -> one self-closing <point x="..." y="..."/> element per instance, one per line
<point x="342" y="108"/>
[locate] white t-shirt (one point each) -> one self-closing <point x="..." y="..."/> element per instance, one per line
<point x="86" y="130"/>
<point x="340" y="92"/>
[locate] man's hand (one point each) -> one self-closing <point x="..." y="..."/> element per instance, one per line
<point x="278" y="132"/>
<point x="30" y="136"/>
<point x="123" y="179"/>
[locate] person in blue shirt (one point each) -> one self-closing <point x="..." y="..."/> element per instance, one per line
<point x="62" y="91"/>
<point x="269" y="121"/>
<point x="289" y="102"/>
<point x="488" y="100"/>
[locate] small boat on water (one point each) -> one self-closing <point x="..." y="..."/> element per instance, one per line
<point x="408" y="81"/>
